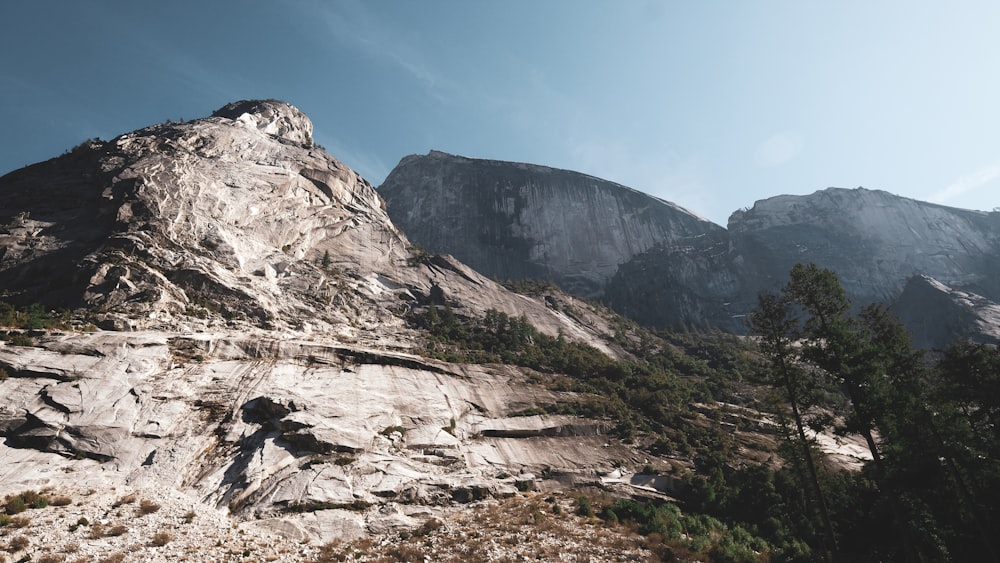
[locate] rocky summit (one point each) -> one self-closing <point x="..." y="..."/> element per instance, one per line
<point x="237" y="343"/>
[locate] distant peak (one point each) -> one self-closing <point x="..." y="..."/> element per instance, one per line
<point x="274" y="117"/>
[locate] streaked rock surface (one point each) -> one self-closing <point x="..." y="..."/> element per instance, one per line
<point x="251" y="351"/>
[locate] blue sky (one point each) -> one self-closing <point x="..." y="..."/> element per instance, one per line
<point x="709" y="104"/>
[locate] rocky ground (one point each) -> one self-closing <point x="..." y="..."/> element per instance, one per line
<point x="123" y="524"/>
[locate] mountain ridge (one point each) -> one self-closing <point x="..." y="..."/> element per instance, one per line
<point x="511" y="218"/>
<point x="687" y="276"/>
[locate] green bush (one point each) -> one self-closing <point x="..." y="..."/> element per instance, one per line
<point x="733" y="548"/>
<point x="660" y="518"/>
<point x="15" y="505"/>
<point x="19" y="339"/>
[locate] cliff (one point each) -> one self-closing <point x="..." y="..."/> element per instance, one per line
<point x="512" y="221"/>
<point x="663" y="266"/>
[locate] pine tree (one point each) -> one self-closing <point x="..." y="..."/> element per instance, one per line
<point x="777" y="330"/>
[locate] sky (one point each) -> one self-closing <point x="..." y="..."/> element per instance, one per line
<point x="710" y="104"/>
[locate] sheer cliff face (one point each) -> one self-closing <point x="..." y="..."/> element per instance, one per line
<point x="664" y="267"/>
<point x="874" y="240"/>
<point x="511" y="220"/>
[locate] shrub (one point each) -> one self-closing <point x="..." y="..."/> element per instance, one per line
<point x="15" y="505"/>
<point x="650" y="518"/>
<point x="4" y="520"/>
<point x="113" y="558"/>
<point x="62" y="501"/>
<point x="147" y="506"/>
<point x="330" y="552"/>
<point x="19" y="339"/>
<point x="428" y="527"/>
<point x="161" y="539"/>
<point x="127" y="499"/>
<point x="20" y="522"/>
<point x="71" y="547"/>
<point x="583" y="507"/>
<point x="116" y="530"/>
<point x="189" y="516"/>
<point x="18" y="543"/>
<point x="405" y="552"/>
<point x="51" y="558"/>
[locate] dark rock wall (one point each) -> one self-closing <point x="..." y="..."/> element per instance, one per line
<point x="513" y="221"/>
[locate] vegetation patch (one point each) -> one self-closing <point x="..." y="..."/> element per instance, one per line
<point x="355" y="505"/>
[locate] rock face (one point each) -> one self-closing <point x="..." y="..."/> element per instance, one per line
<point x="937" y="314"/>
<point x="664" y="267"/>
<point x="254" y="425"/>
<point x="255" y="356"/>
<point x="512" y="221"/>
<point x="874" y="240"/>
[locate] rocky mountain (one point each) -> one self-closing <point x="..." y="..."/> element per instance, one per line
<point x="215" y="344"/>
<point x="661" y="265"/>
<point x="237" y="340"/>
<point x="936" y="313"/>
<point x="513" y="221"/>
<point x="875" y="241"/>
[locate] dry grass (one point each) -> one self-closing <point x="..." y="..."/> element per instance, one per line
<point x="71" y="547"/>
<point x="517" y="529"/>
<point x="147" y="506"/>
<point x="113" y="558"/>
<point x="17" y="543"/>
<point x="161" y="539"/>
<point x="127" y="499"/>
<point x="20" y="522"/>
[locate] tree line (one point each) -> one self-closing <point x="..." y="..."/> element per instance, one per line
<point x="931" y="491"/>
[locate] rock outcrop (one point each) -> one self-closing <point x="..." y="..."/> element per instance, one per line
<point x="241" y="339"/>
<point x="270" y="428"/>
<point x="938" y="315"/>
<point x="513" y="221"/>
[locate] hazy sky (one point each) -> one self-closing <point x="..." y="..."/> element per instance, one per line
<point x="709" y="104"/>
